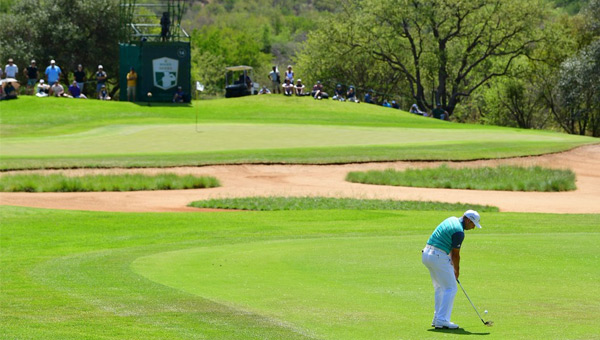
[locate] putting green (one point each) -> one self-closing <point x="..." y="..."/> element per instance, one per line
<point x="371" y="287"/>
<point x="180" y="138"/>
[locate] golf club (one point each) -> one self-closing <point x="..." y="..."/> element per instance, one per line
<point x="487" y="323"/>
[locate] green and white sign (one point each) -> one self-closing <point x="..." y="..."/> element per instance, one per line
<point x="165" y="72"/>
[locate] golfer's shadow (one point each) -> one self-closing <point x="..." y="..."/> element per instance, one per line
<point x="460" y="331"/>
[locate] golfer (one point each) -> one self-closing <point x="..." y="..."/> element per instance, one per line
<point x="442" y="257"/>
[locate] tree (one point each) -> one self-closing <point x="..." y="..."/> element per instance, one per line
<point x="514" y="102"/>
<point x="578" y="94"/>
<point x="325" y="56"/>
<point x="452" y="47"/>
<point x="70" y="31"/>
<point x="572" y="93"/>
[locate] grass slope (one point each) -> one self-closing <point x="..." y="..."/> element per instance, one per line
<point x="288" y="275"/>
<point x="55" y="133"/>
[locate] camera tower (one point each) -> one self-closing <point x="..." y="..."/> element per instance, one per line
<point x="152" y="41"/>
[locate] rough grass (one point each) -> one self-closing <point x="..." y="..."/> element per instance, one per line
<point x="126" y="182"/>
<point x="504" y="177"/>
<point x="325" y="203"/>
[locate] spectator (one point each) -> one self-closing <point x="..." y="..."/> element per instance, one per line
<point x="440" y="113"/>
<point x="265" y="90"/>
<point x="131" y="84"/>
<point x="275" y="80"/>
<point x="299" y="88"/>
<point x="53" y="72"/>
<point x="179" y="96"/>
<point x="288" y="88"/>
<point x="32" y="74"/>
<point x="2" y="95"/>
<point x="338" y="94"/>
<point x="57" y="90"/>
<point x="351" y="94"/>
<point x="395" y="105"/>
<point x="165" y="24"/>
<point x="100" y="79"/>
<point x="289" y="74"/>
<point x="317" y="91"/>
<point x="103" y="94"/>
<point x="415" y="109"/>
<point x="386" y="103"/>
<point x="244" y="78"/>
<point x="11" y="70"/>
<point x="76" y="91"/>
<point x="43" y="89"/>
<point x="79" y="75"/>
<point x="9" y="91"/>
<point x="369" y="97"/>
<point x="1" y="73"/>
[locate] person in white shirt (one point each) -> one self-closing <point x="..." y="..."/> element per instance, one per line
<point x="11" y="69"/>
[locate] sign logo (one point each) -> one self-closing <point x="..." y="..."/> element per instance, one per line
<point x="165" y="72"/>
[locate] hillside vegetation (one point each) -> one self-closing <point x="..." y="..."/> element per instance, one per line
<point x="527" y="64"/>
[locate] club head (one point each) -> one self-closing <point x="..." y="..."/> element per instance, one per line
<point x="489" y="323"/>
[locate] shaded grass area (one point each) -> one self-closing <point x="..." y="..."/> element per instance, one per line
<point x="503" y="177"/>
<point x="125" y="182"/>
<point x="335" y="274"/>
<point x="327" y="203"/>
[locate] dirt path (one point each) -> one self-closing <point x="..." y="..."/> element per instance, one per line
<point x="328" y="180"/>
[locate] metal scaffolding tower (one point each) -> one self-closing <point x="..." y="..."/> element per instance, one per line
<point x="141" y="21"/>
<point x="160" y="54"/>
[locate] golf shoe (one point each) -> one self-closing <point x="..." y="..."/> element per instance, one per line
<point x="445" y="324"/>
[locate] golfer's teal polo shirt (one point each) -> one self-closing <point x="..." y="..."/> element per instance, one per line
<point x="449" y="234"/>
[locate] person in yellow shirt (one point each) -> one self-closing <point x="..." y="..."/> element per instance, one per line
<point x="131" y="84"/>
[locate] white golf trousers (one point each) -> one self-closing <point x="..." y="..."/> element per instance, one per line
<point x="444" y="282"/>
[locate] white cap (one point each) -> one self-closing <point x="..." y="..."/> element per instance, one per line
<point x="41" y="81"/>
<point x="52" y="61"/>
<point x="473" y="216"/>
<point x="100" y="66"/>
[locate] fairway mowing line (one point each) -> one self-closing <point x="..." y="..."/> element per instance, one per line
<point x="269" y="319"/>
<point x="329" y="181"/>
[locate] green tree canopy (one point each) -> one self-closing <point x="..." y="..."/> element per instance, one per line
<point x="70" y="31"/>
<point x="452" y="47"/>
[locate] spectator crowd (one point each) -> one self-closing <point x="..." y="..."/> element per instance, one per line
<point x="48" y="83"/>
<point x="289" y="88"/>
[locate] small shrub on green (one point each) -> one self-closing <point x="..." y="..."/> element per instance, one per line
<point x="504" y="177"/>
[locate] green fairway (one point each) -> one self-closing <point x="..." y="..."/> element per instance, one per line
<point x="156" y="139"/>
<point x="64" y="133"/>
<point x="335" y="274"/>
